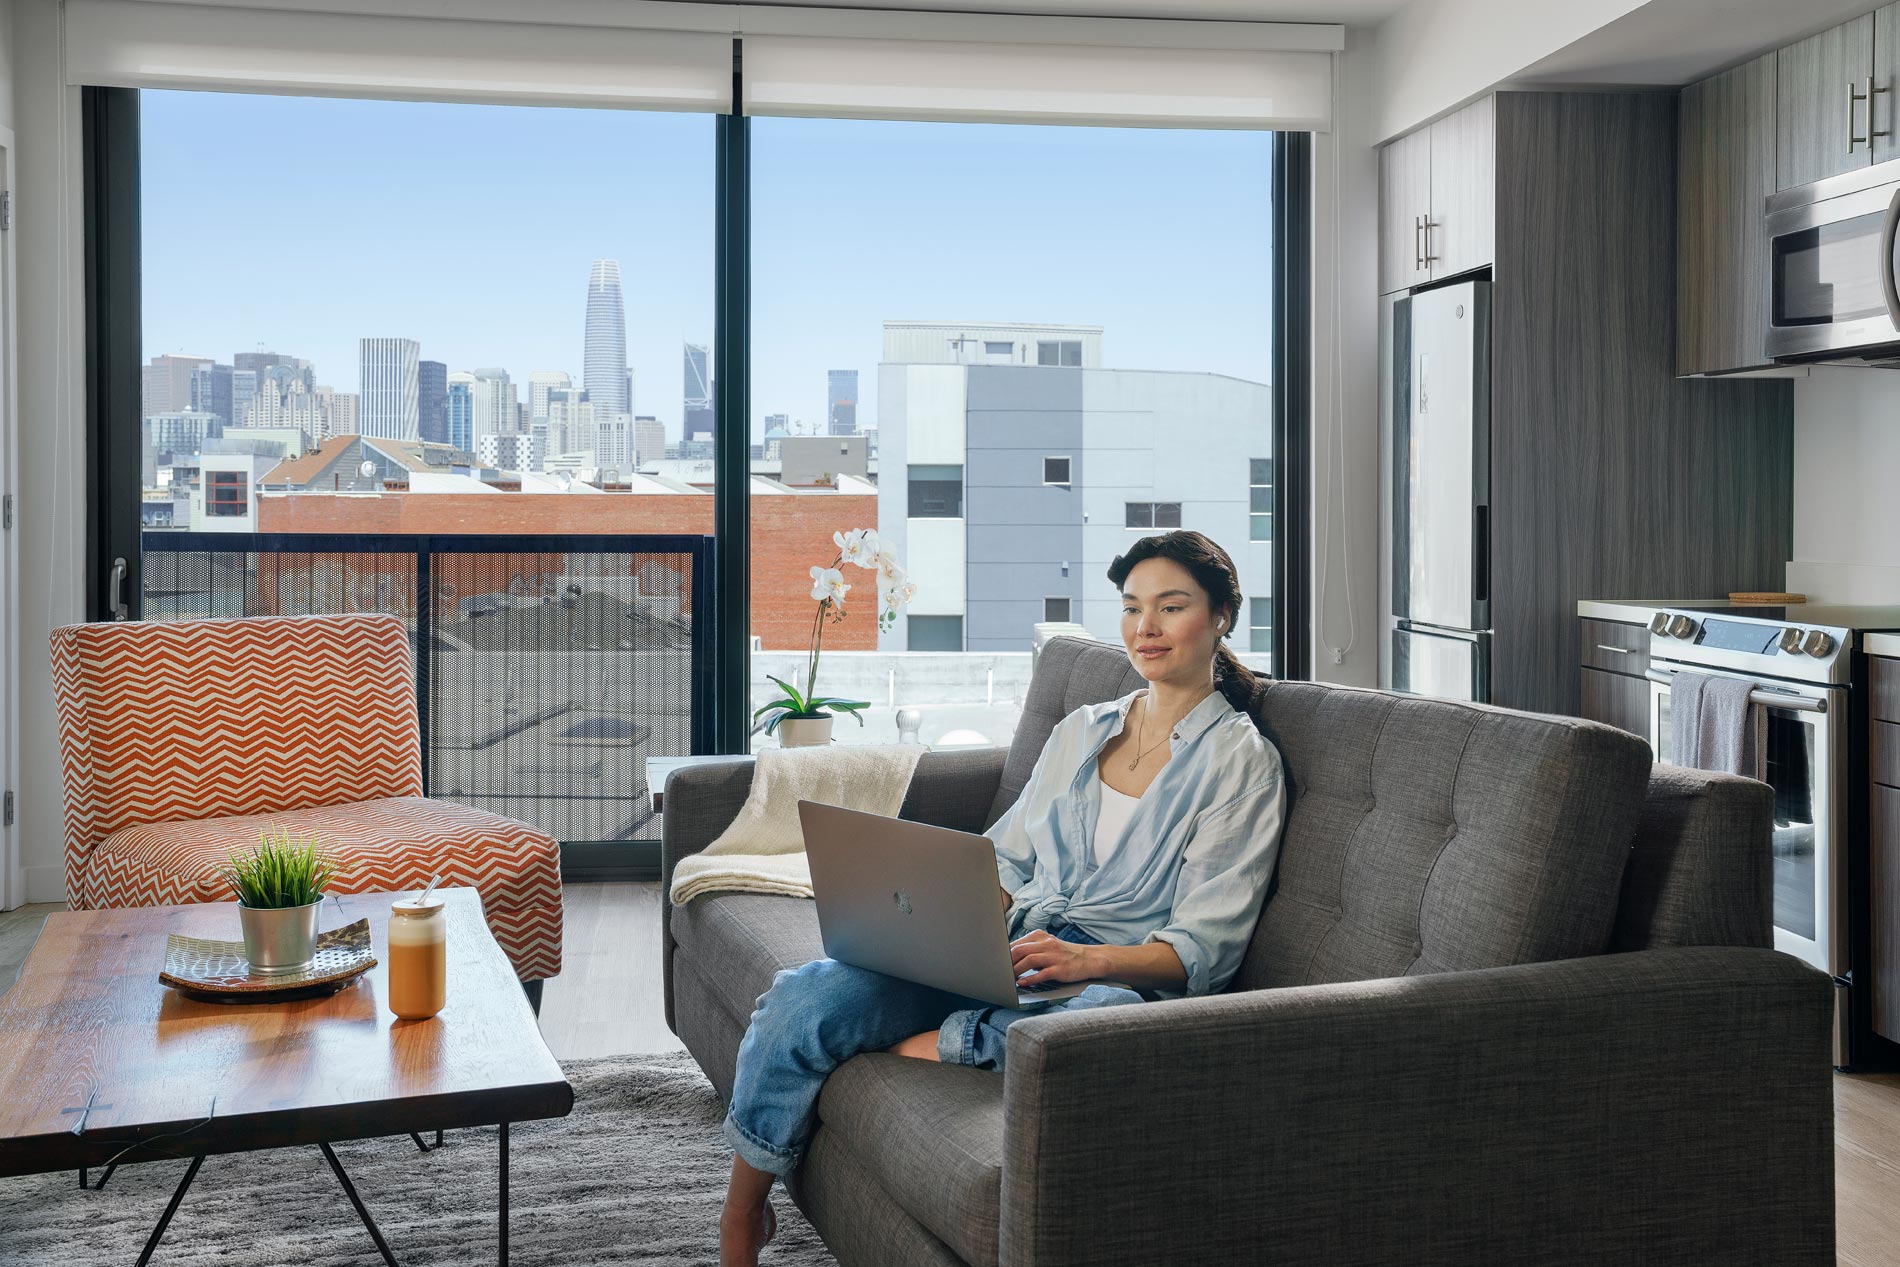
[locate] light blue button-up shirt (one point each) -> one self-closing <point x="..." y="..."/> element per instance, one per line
<point x="1195" y="862"/>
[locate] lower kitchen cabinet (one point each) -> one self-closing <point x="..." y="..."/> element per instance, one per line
<point x="1617" y="699"/>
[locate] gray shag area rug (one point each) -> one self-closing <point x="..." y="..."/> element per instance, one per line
<point x="635" y="1174"/>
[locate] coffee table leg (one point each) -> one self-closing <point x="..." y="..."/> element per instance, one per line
<point x="165" y="1220"/>
<point x="504" y="1194"/>
<point x="362" y="1211"/>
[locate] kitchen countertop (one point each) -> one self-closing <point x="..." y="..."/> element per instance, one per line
<point x="1882" y="644"/>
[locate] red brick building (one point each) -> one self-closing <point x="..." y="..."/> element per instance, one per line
<point x="791" y="532"/>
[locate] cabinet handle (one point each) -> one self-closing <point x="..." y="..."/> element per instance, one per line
<point x="1604" y="646"/>
<point x="1852" y="96"/>
<point x="1430" y="259"/>
<point x="1418" y="251"/>
<point x="1873" y="92"/>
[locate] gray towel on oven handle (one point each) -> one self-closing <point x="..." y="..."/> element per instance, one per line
<point x="1715" y="727"/>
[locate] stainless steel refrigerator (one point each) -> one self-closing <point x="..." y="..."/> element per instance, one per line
<point x="1440" y="385"/>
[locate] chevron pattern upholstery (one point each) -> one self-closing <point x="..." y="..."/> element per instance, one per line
<point x="181" y="741"/>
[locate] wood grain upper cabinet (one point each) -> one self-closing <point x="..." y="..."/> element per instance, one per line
<point x="1405" y="202"/>
<point x="1725" y="172"/>
<point x="1437" y="199"/>
<point x="1460" y="235"/>
<point x="1825" y="89"/>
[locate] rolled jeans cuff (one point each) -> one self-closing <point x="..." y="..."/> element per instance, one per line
<point x="956" y="1037"/>
<point x="758" y="1154"/>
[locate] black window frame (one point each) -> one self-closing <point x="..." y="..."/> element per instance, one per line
<point x="113" y="334"/>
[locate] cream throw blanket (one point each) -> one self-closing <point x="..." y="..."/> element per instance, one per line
<point x="763" y="851"/>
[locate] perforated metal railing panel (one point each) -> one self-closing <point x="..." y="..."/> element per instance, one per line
<point x="549" y="669"/>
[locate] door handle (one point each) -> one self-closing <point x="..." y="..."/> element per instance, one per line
<point x="1430" y="259"/>
<point x="115" y="592"/>
<point x="1418" y="250"/>
<point x="1888" y="288"/>
<point x="1872" y="131"/>
<point x="1852" y="97"/>
<point x="1480" y="554"/>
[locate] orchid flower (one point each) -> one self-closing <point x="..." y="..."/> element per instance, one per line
<point x="858" y="546"/>
<point x="828" y="584"/>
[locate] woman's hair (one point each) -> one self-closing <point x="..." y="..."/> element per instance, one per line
<point x="1214" y="572"/>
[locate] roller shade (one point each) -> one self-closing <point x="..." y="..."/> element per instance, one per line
<point x="128" y="44"/>
<point x="968" y="81"/>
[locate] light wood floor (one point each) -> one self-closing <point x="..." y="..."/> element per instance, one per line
<point x="607" y="1001"/>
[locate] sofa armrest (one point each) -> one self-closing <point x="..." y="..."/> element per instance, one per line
<point x="1669" y="1106"/>
<point x="951" y="789"/>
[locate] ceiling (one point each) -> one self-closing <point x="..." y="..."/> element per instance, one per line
<point x="1346" y="12"/>
<point x="1678" y="41"/>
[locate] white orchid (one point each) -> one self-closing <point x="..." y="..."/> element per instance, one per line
<point x="858" y="546"/>
<point x="828" y="584"/>
<point x="888" y="573"/>
<point x="900" y="594"/>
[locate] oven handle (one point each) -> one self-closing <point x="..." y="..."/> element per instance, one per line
<point x="1770" y="699"/>
<point x="1887" y="280"/>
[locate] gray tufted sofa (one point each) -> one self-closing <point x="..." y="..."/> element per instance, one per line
<point x="1509" y="1001"/>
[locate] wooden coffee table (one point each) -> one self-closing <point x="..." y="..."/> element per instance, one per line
<point x="100" y="1065"/>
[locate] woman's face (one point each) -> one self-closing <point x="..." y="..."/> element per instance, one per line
<point x="1168" y="624"/>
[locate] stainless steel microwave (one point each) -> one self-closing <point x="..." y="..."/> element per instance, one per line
<point x="1831" y="259"/>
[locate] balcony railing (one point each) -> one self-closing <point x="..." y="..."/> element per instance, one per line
<point x="548" y="668"/>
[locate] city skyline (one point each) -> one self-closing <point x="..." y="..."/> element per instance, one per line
<point x="931" y="221"/>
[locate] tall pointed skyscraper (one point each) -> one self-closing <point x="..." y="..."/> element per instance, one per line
<point x="604" y="365"/>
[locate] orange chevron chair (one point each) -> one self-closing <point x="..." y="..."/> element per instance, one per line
<point x="182" y="741"/>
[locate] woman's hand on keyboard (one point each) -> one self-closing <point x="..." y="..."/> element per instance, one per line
<point x="1050" y="960"/>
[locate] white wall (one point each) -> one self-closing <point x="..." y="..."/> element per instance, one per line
<point x="51" y="497"/>
<point x="1846" y="497"/>
<point x="1434" y="55"/>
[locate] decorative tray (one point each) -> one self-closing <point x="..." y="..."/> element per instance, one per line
<point x="218" y="970"/>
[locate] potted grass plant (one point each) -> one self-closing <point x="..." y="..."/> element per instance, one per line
<point x="279" y="887"/>
<point x="803" y="718"/>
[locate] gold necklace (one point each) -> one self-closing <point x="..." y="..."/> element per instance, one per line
<point x="1141" y="733"/>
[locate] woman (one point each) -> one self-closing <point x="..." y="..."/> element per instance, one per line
<point x="1139" y="851"/>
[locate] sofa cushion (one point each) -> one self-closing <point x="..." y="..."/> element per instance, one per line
<point x="932" y="1134"/>
<point x="381" y="846"/>
<point x="1070" y="672"/>
<point x="739" y="941"/>
<point x="1426" y="835"/>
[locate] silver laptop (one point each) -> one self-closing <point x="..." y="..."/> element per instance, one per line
<point x="915" y="901"/>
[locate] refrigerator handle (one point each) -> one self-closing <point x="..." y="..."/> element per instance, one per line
<point x="1480" y="554"/>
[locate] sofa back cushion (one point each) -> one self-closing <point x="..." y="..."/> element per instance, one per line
<point x="1425" y="835"/>
<point x="168" y="720"/>
<point x="1070" y="672"/>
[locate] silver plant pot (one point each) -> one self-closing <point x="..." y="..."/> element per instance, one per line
<point x="281" y="941"/>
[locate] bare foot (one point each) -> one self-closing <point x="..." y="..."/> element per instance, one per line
<point x="918" y="1046"/>
<point x="743" y="1233"/>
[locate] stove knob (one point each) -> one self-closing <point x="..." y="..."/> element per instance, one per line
<point x="1790" y="640"/>
<point x="1659" y="623"/>
<point x="1681" y="627"/>
<point x="1817" y="644"/>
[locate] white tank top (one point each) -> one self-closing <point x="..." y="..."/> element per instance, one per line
<point x="1112" y="822"/>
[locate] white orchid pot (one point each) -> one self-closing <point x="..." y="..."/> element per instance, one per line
<point x="804" y="732"/>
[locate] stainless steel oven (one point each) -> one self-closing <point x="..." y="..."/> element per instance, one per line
<point x="1831" y="259"/>
<point x="1800" y="680"/>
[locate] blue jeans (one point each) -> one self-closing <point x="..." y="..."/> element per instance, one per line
<point x="815" y="1018"/>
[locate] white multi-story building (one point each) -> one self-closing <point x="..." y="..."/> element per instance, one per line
<point x="517" y="451"/>
<point x="1014" y="468"/>
<point x="613" y="443"/>
<point x="649" y="440"/>
<point x="225" y="497"/>
<point x="570" y="420"/>
<point x="390" y="407"/>
<point x="497" y="405"/>
<point x="343" y="413"/>
<point x="540" y="383"/>
<point x="604" y="361"/>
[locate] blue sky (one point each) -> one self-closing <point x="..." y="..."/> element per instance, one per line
<point x="302" y="224"/>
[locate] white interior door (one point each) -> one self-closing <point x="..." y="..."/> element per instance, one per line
<point x="12" y="876"/>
